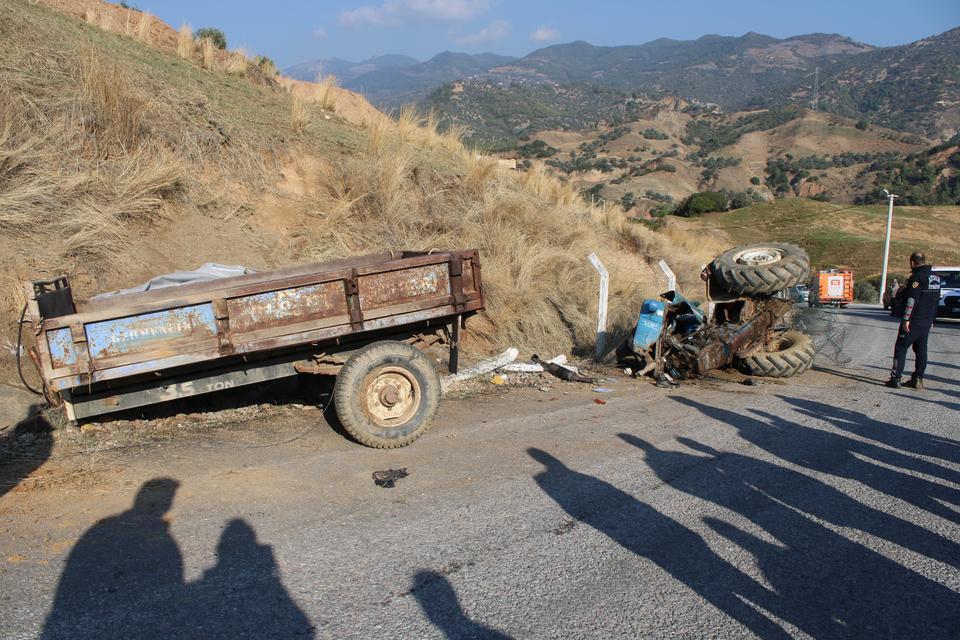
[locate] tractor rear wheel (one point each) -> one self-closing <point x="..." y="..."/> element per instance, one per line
<point x="761" y="269"/>
<point x="791" y="353"/>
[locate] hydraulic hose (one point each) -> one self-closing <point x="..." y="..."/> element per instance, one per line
<point x="26" y="384"/>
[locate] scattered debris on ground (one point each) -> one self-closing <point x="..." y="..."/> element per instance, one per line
<point x="522" y="374"/>
<point x="560" y="371"/>
<point x="482" y="367"/>
<point x="388" y="478"/>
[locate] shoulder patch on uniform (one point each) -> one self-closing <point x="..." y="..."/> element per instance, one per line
<point x="915" y="284"/>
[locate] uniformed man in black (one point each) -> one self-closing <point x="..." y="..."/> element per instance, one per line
<point x="920" y="309"/>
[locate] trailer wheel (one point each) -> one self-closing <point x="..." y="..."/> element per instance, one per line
<point x="386" y="394"/>
<point x="790" y="354"/>
<point x="761" y="269"/>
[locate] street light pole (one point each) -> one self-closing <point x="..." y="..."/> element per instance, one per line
<point x="886" y="246"/>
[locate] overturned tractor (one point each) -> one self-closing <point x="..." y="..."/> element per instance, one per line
<point x="746" y="323"/>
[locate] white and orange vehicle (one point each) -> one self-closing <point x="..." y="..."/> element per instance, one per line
<point x="833" y="287"/>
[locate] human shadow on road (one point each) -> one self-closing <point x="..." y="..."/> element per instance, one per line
<point x="641" y="529"/>
<point x="838" y="455"/>
<point x="848" y="376"/>
<point x="124" y="579"/>
<point x="23" y="449"/>
<point x="892" y="435"/>
<point x="927" y="376"/>
<point x="242" y="595"/>
<point x="945" y="365"/>
<point x="759" y="490"/>
<point x="832" y="587"/>
<point x="829" y="586"/>
<point x="440" y="604"/>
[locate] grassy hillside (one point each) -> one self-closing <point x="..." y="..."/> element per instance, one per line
<point x="120" y="159"/>
<point x="840" y="236"/>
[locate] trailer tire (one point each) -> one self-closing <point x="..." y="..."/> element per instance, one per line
<point x="761" y="269"/>
<point x="792" y="353"/>
<point x="387" y="394"/>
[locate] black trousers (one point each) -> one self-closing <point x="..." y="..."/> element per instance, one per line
<point x="916" y="338"/>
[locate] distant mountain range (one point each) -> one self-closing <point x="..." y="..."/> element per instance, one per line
<point x="347" y="71"/>
<point x="392" y="80"/>
<point x="914" y="87"/>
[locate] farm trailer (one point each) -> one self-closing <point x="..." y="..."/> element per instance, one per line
<point x="359" y="319"/>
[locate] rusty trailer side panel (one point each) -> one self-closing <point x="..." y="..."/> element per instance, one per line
<point x="108" y="341"/>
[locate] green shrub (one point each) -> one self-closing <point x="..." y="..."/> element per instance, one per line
<point x="741" y="199"/>
<point x="537" y="149"/>
<point x="863" y="291"/>
<point x="702" y="202"/>
<point x="266" y="64"/>
<point x="215" y="35"/>
<point x="755" y="180"/>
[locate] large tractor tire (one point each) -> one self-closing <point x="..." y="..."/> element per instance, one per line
<point x="386" y="394"/>
<point x="791" y="354"/>
<point x="761" y="269"/>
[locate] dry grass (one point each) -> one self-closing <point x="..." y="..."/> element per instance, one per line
<point x="110" y="108"/>
<point x="238" y="63"/>
<point x="299" y="114"/>
<point x="533" y="232"/>
<point x="87" y="178"/>
<point x="185" y="42"/>
<point x="324" y="92"/>
<point x="377" y="135"/>
<point x="144" y="32"/>
<point x="209" y="51"/>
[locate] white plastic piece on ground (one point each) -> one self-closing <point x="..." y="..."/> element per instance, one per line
<point x="486" y="366"/>
<point x="530" y="367"/>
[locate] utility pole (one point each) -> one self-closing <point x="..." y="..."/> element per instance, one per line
<point x="816" y="90"/>
<point x="886" y="245"/>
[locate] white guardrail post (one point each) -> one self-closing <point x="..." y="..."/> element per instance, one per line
<point x="671" y="277"/>
<point x="602" y="304"/>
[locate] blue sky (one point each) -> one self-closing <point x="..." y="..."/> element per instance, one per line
<point x="291" y="31"/>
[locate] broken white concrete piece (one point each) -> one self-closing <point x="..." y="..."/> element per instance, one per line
<point x="485" y="366"/>
<point x="530" y="367"/>
<point x="522" y="367"/>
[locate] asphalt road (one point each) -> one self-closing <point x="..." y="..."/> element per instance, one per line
<point x="828" y="507"/>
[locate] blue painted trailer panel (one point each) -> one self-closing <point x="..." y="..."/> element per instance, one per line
<point x="149" y="331"/>
<point x="63" y="352"/>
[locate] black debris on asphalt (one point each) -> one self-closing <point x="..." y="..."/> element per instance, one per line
<point x="388" y="479"/>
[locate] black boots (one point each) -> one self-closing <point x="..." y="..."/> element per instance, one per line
<point x="912" y="383"/>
